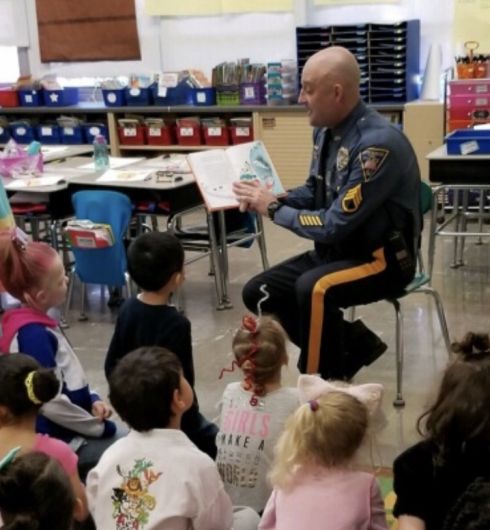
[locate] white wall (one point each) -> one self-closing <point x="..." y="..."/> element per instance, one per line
<point x="174" y="43"/>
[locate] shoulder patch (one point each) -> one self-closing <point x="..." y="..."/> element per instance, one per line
<point x="352" y="199"/>
<point x="310" y="220"/>
<point x="371" y="160"/>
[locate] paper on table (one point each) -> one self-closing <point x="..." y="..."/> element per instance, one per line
<point x="50" y="149"/>
<point x="35" y="182"/>
<point x="114" y="162"/>
<point x="174" y="163"/>
<point x="114" y="175"/>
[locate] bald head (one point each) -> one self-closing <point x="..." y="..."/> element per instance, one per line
<point x="332" y="71"/>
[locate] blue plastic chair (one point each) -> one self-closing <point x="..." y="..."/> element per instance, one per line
<point x="106" y="266"/>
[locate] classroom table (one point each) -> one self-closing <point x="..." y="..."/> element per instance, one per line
<point x="458" y="174"/>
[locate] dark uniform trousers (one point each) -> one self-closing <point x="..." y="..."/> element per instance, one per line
<point x="308" y="293"/>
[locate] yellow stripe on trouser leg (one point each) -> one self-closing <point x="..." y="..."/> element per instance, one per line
<point x="317" y="301"/>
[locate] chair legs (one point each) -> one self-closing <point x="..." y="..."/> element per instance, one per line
<point x="440" y="314"/>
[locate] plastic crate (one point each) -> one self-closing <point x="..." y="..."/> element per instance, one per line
<point x="23" y="133"/>
<point x="31" y="98"/>
<point x="179" y="95"/>
<point x="203" y="97"/>
<point x="4" y="135"/>
<point x="61" y="98"/>
<point x="48" y="133"/>
<point x="115" y="97"/>
<point x="227" y="95"/>
<point x="241" y="134"/>
<point x="253" y="93"/>
<point x="160" y="135"/>
<point x="138" y="97"/>
<point x="9" y="97"/>
<point x="132" y="135"/>
<point x="189" y="134"/>
<point x="71" y="135"/>
<point x="468" y="142"/>
<point x="216" y="135"/>
<point x="91" y="130"/>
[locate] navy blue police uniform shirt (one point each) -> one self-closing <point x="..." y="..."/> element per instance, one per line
<point x="364" y="181"/>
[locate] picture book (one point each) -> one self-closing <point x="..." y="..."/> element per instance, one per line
<point x="215" y="171"/>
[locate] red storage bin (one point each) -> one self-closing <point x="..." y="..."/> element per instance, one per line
<point x="216" y="135"/>
<point x="470" y="86"/>
<point x="131" y="135"/>
<point x="156" y="135"/>
<point x="241" y="134"/>
<point x="189" y="133"/>
<point x="9" y="97"/>
<point x="472" y="106"/>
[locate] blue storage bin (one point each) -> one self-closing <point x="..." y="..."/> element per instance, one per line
<point x="61" y="98"/>
<point x="114" y="97"/>
<point x="138" y="96"/>
<point x="91" y="130"/>
<point x="4" y="135"/>
<point x="468" y="142"/>
<point x="31" y="98"/>
<point x="71" y="135"/>
<point x="179" y="95"/>
<point x="48" y="133"/>
<point x="23" y="133"/>
<point x="204" y="96"/>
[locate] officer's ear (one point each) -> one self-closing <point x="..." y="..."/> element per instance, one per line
<point x="338" y="91"/>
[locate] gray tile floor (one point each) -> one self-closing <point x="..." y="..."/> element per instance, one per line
<point x="466" y="296"/>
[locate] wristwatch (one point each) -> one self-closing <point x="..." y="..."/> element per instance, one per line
<point x="272" y="208"/>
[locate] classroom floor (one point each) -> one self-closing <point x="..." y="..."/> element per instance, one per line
<point x="466" y="296"/>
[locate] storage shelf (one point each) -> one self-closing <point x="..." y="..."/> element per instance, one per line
<point x="174" y="148"/>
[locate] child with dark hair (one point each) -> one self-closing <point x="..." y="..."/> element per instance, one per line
<point x="33" y="272"/>
<point x="253" y="411"/>
<point x="156" y="474"/>
<point x="156" y="264"/>
<point x="35" y="494"/>
<point x="430" y="476"/>
<point x="24" y="388"/>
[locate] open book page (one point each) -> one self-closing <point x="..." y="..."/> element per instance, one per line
<point x="217" y="169"/>
<point x="251" y="161"/>
<point x="214" y="175"/>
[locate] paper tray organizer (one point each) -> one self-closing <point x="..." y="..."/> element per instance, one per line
<point x="85" y="234"/>
<point x="468" y="142"/>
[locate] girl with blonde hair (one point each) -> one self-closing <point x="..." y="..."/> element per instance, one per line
<point x="314" y="484"/>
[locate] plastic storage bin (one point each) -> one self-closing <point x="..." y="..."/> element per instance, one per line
<point x="188" y="133"/>
<point x="156" y="135"/>
<point x="48" y="133"/>
<point x="61" y="98"/>
<point x="9" y="97"/>
<point x="4" y="135"/>
<point x="139" y="97"/>
<point x="253" y="93"/>
<point x="468" y="142"/>
<point x="204" y="96"/>
<point x="23" y="133"/>
<point x="241" y="134"/>
<point x="216" y="135"/>
<point x="71" y="135"/>
<point x="179" y="95"/>
<point x="132" y="135"/>
<point x="91" y="130"/>
<point x="227" y="95"/>
<point x="114" y="97"/>
<point x="31" y="98"/>
<point x="470" y="86"/>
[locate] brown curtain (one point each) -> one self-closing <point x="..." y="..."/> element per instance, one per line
<point x="87" y="30"/>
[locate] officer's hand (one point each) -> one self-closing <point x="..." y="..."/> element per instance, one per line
<point x="253" y="195"/>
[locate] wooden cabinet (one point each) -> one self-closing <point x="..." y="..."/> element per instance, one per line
<point x="423" y="124"/>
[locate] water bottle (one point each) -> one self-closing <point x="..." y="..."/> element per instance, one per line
<point x="101" y="153"/>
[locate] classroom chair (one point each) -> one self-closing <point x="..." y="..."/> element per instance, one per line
<point x="104" y="266"/>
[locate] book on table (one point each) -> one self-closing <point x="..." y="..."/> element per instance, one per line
<point x="215" y="171"/>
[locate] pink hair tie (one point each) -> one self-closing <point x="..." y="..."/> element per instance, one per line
<point x="314" y="405"/>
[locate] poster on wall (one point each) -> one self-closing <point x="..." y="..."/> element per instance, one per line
<point x="87" y="31"/>
<point x="472" y="23"/>
<point x="214" y="7"/>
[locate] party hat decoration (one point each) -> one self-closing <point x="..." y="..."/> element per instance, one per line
<point x="7" y="221"/>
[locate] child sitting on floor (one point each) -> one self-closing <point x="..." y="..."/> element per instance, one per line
<point x="253" y="411"/>
<point x="156" y="474"/>
<point x="314" y="484"/>
<point x="156" y="264"/>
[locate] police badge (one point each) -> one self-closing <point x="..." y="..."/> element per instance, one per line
<point x="342" y="158"/>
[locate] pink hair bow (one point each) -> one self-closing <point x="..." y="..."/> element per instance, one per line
<point x="311" y="387"/>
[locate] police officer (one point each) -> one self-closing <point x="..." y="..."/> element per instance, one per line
<point x="359" y="205"/>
